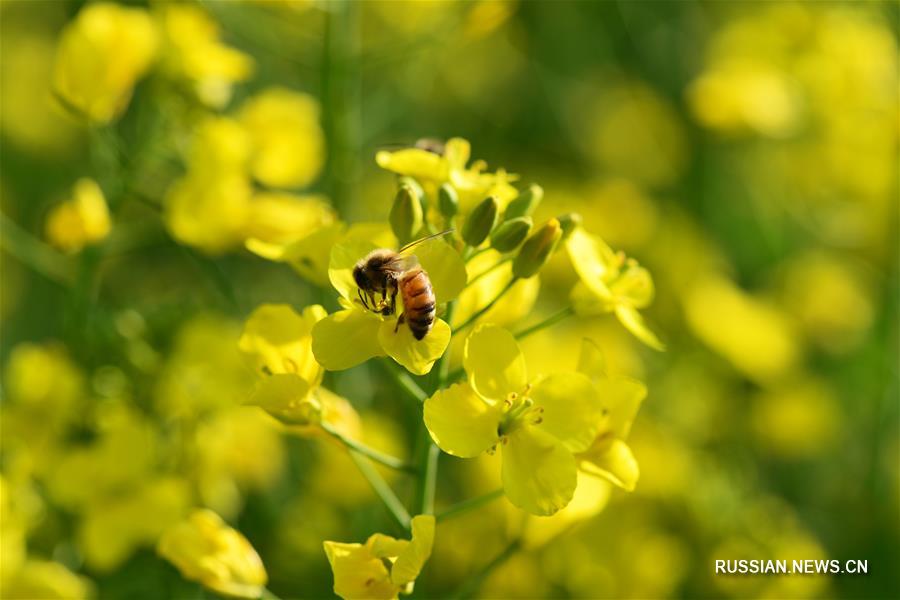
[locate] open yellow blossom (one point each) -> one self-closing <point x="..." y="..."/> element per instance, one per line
<point x="279" y="219"/>
<point x="209" y="207"/>
<point x="756" y="336"/>
<point x="354" y="334"/>
<point x="288" y="142"/>
<point x="47" y="579"/>
<point x="610" y="282"/>
<point x="280" y="342"/>
<point x="609" y="456"/>
<point x="205" y="371"/>
<point x="101" y="55"/>
<point x="113" y="528"/>
<point x="81" y="221"/>
<point x="471" y="183"/>
<point x="207" y="550"/>
<point x="225" y="467"/>
<point x="195" y="53"/>
<point x="384" y="566"/>
<point x="539" y="427"/>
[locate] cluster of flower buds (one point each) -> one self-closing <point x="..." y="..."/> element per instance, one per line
<point x="509" y="230"/>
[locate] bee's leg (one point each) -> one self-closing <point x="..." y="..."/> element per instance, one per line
<point x="399" y="322"/>
<point x="394" y="300"/>
<point x="362" y="298"/>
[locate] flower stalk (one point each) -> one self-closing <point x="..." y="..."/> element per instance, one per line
<point x="371" y="453"/>
<point x="381" y="487"/>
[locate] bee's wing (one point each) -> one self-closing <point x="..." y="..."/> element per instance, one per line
<point x="401" y="263"/>
<point x="407" y="249"/>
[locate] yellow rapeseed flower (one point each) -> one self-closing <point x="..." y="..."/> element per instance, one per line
<point x="354" y="334"/>
<point x="471" y="182"/>
<point x="288" y="142"/>
<point x="539" y="427"/>
<point x="278" y="219"/>
<point x="384" y="566"/>
<point x="756" y="336"/>
<point x="81" y="221"/>
<point x="609" y="456"/>
<point x="205" y="549"/>
<point x="280" y="343"/>
<point x="101" y="55"/>
<point x="194" y="53"/>
<point x="209" y="208"/>
<point x="610" y="282"/>
<point x="47" y="579"/>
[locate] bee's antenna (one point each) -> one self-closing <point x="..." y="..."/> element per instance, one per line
<point x="424" y="239"/>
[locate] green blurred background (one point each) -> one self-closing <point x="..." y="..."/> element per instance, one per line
<point x="745" y="152"/>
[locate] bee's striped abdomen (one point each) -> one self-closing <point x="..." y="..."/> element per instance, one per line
<point x="418" y="301"/>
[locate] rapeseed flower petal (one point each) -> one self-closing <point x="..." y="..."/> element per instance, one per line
<point x="538" y="472"/>
<point x="384" y="566"/>
<point x="81" y="221"/>
<point x="347" y="338"/>
<point x="460" y="422"/>
<point x="571" y="409"/>
<point x="101" y="56"/>
<point x="418" y="356"/>
<point x="206" y="550"/>
<point x="288" y="142"/>
<point x="495" y="365"/>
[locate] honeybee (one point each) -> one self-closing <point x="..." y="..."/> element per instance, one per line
<point x="386" y="272"/>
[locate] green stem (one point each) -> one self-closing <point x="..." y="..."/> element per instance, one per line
<point x="35" y="253"/>
<point x="404" y="381"/>
<point x="486" y="307"/>
<point x="377" y="456"/>
<point x="489" y="270"/>
<point x="551" y="320"/>
<point x="341" y="93"/>
<point x="381" y="487"/>
<point x="474" y="583"/>
<point x="472" y="254"/>
<point x="425" y="491"/>
<point x="466" y="505"/>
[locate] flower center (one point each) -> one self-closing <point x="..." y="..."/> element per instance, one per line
<point x="520" y="411"/>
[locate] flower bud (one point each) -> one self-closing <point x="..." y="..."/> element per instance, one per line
<point x="210" y="552"/>
<point x="481" y="222"/>
<point x="525" y="203"/>
<point x="406" y="214"/>
<point x="510" y="234"/>
<point x="568" y="222"/>
<point x="536" y="250"/>
<point x="418" y="190"/>
<point x="448" y="201"/>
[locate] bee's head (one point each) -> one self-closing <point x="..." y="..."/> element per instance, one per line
<point x="360" y="276"/>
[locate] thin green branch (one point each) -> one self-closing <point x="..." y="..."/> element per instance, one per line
<point x="379" y="457"/>
<point x="467" y="505"/>
<point x="551" y="320"/>
<point x="429" y="477"/>
<point x="430" y="453"/>
<point x="473" y="253"/>
<point x="404" y="381"/>
<point x="489" y="270"/>
<point x="35" y="253"/>
<point x="486" y="307"/>
<point x="381" y="487"/>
